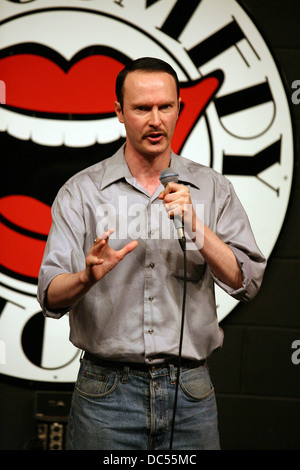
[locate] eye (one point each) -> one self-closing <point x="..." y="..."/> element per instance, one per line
<point x="141" y="108"/>
<point x="166" y="107"/>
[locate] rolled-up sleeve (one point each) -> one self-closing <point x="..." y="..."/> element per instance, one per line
<point x="64" y="249"/>
<point x="233" y="228"/>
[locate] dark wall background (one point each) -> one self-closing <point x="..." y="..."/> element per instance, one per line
<point x="257" y="384"/>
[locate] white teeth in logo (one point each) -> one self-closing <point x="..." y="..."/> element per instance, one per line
<point x="55" y="132"/>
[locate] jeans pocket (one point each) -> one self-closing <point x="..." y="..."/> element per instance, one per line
<point x="94" y="381"/>
<point x="196" y="383"/>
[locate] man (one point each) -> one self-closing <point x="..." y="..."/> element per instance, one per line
<point x="123" y="285"/>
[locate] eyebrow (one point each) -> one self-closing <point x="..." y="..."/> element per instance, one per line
<point x="140" y="104"/>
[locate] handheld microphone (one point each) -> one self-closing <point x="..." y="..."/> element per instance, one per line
<point x="168" y="175"/>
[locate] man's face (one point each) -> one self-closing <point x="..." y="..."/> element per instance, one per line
<point x="150" y="112"/>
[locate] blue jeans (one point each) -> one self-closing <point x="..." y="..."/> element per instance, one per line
<point x="125" y="409"/>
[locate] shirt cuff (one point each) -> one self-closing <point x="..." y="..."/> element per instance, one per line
<point x="42" y="296"/>
<point x="250" y="285"/>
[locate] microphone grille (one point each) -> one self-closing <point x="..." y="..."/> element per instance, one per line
<point x="168" y="175"/>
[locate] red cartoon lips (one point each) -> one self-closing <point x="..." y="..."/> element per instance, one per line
<point x="25" y="223"/>
<point x="195" y="96"/>
<point x="38" y="84"/>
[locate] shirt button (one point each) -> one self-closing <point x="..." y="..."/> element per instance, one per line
<point x="150" y="298"/>
<point x="152" y="265"/>
<point x="150" y="331"/>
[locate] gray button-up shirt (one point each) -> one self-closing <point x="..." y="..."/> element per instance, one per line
<point x="134" y="312"/>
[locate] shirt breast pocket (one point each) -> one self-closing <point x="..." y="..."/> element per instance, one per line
<point x="195" y="265"/>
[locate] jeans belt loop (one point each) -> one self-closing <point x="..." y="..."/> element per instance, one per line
<point x="81" y="356"/>
<point x="172" y="374"/>
<point x="125" y="375"/>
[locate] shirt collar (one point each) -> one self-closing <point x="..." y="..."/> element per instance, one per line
<point x="117" y="169"/>
<point x="185" y="169"/>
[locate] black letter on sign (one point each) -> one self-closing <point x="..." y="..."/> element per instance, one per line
<point x="216" y="44"/>
<point x="243" y="99"/>
<point x="179" y="17"/>
<point x="252" y="165"/>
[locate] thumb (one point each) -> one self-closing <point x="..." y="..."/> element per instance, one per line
<point x="127" y="249"/>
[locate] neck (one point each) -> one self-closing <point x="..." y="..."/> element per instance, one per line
<point x="147" y="169"/>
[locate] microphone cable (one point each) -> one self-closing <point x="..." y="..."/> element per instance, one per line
<point x="183" y="246"/>
<point x="169" y="175"/>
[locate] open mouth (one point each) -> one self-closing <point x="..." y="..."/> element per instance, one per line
<point x="39" y="81"/>
<point x="155" y="137"/>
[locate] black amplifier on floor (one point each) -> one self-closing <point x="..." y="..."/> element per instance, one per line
<point x="51" y="415"/>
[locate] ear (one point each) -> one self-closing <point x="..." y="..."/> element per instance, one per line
<point x="118" y="111"/>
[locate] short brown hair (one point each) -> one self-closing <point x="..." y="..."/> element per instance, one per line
<point x="148" y="64"/>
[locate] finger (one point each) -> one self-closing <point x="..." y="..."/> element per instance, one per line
<point x="104" y="236"/>
<point x="181" y="198"/>
<point x="92" y="261"/>
<point x="170" y="188"/>
<point x="97" y="261"/>
<point x="174" y="210"/>
<point x="98" y="244"/>
<point x="107" y="234"/>
<point x="127" y="249"/>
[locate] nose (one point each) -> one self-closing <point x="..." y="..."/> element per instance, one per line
<point x="154" y="118"/>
